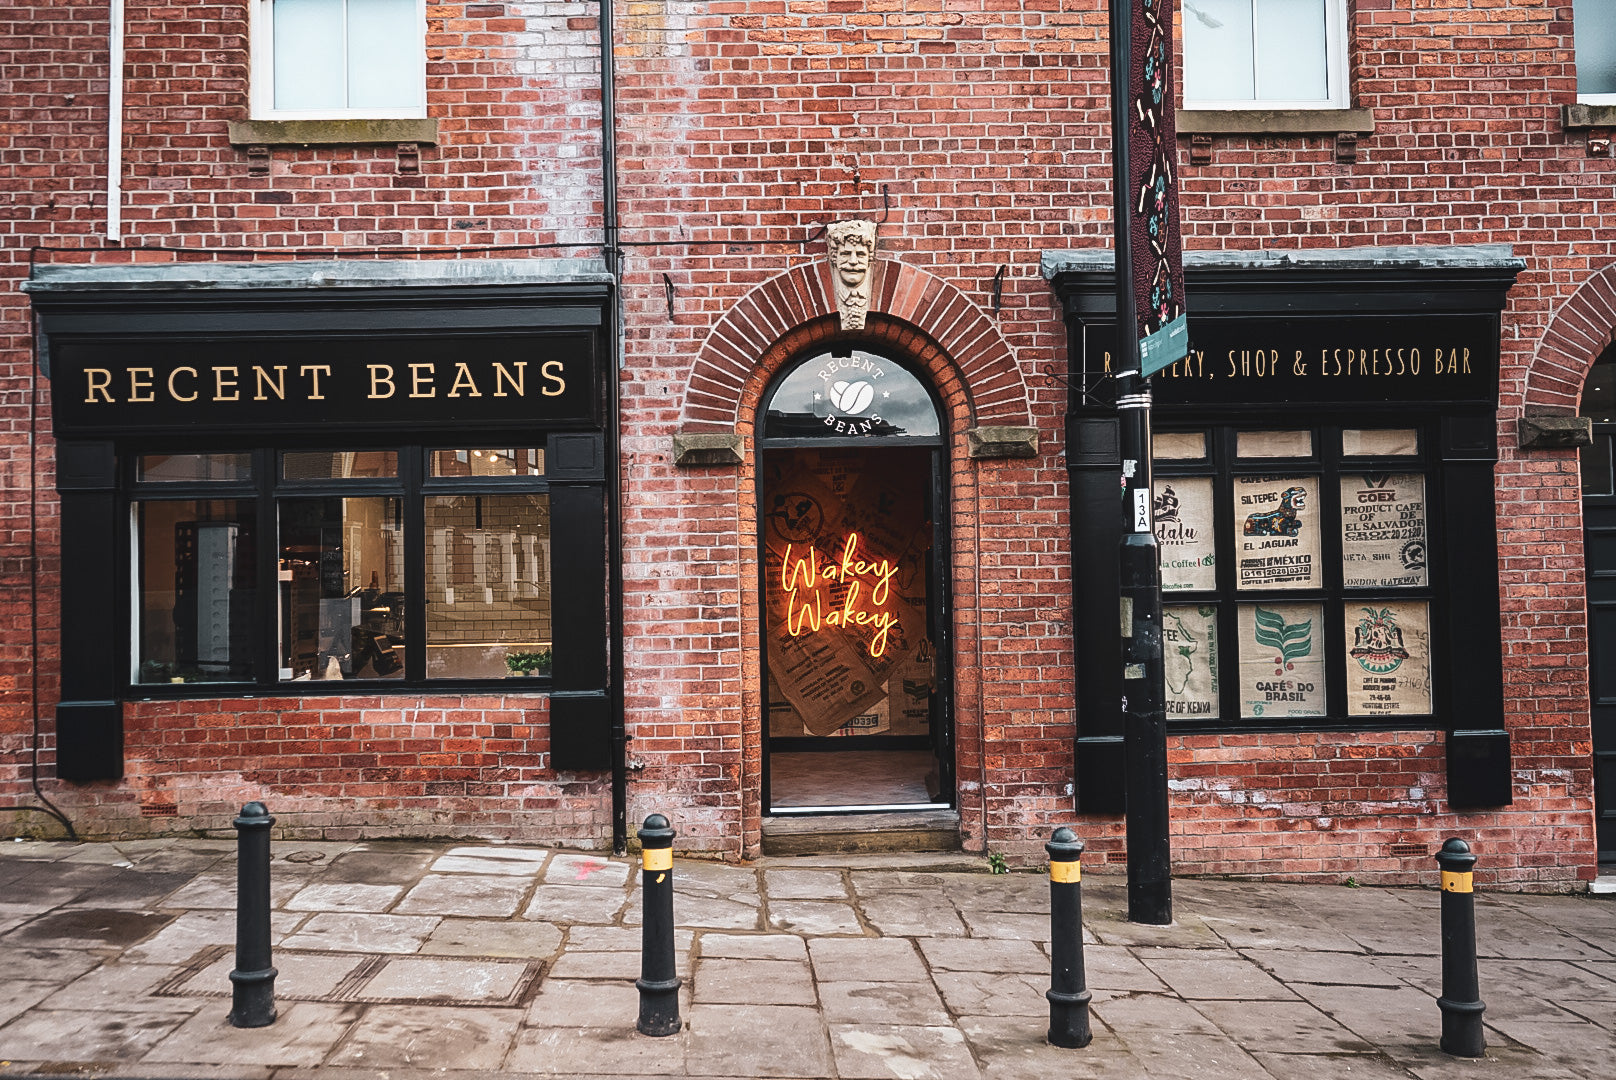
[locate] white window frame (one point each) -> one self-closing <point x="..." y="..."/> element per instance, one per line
<point x="261" y="94"/>
<point x="1335" y="73"/>
<point x="1589" y="99"/>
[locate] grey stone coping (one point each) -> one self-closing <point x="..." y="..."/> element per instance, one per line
<point x="691" y="449"/>
<point x="1589" y="116"/>
<point x="1391" y="257"/>
<point x="1554" y="431"/>
<point x="1274" y="121"/>
<point x="302" y="274"/>
<point x="332" y="132"/>
<point x="1002" y="441"/>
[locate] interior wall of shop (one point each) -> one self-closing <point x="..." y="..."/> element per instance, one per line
<point x="978" y="134"/>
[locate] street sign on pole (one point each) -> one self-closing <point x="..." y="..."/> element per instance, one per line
<point x="1151" y="334"/>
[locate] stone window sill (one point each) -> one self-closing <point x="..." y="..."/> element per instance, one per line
<point x="1580" y="116"/>
<point x="332" y="132"/>
<point x="1274" y="121"/>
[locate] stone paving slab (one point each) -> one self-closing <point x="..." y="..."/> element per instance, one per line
<point x="484" y="961"/>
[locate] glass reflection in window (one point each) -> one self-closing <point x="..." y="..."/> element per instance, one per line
<point x="525" y="461"/>
<point x="195" y="573"/>
<point x="342" y="588"/>
<point x="194" y="468"/>
<point x="340" y="464"/>
<point x="858" y="395"/>
<point x="488" y="586"/>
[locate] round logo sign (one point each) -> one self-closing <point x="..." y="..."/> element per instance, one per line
<point x="851" y="397"/>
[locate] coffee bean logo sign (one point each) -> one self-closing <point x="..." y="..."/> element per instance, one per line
<point x="852" y="397"/>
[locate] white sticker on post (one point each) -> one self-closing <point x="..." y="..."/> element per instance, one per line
<point x="1141" y="510"/>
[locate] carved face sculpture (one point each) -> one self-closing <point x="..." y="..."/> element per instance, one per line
<point x="852" y="260"/>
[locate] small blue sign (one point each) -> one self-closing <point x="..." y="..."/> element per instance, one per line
<point x="1165" y="347"/>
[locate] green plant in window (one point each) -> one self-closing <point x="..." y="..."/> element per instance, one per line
<point x="528" y="663"/>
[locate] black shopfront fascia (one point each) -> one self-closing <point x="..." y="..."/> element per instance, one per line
<point x="181" y="370"/>
<point x="1322" y="346"/>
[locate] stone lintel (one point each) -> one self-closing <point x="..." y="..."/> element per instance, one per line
<point x="1002" y="441"/>
<point x="423" y="131"/>
<point x="708" y="448"/>
<point x="1555" y="431"/>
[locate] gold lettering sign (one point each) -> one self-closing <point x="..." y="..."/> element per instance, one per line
<point x="187" y="384"/>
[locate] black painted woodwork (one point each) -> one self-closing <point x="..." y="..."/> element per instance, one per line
<point x="118" y="327"/>
<point x="1317" y="310"/>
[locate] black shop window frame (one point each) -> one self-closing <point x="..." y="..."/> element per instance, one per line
<point x="267" y="492"/>
<point x="1326" y="462"/>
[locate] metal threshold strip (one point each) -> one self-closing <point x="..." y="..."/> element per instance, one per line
<point x="858" y="808"/>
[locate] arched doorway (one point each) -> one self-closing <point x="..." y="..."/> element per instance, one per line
<point x="853" y="554"/>
<point x="1599" y="545"/>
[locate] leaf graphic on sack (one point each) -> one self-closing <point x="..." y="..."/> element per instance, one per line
<point x="1293" y="640"/>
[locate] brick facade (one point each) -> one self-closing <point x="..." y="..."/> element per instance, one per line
<point x="976" y="133"/>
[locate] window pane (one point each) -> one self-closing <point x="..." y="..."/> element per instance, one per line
<point x="1281" y="660"/>
<point x="1276" y="526"/>
<point x="1389" y="660"/>
<point x="1599" y="393"/>
<point x="1596" y="474"/>
<point x="861" y="394"/>
<point x="1595" y="27"/>
<point x="1184" y="534"/>
<point x="342" y="596"/>
<point x="1292" y="64"/>
<point x="488" y="586"/>
<point x="1178" y="446"/>
<point x="384" y="50"/>
<point x="1380" y="442"/>
<point x="521" y="462"/>
<point x="191" y="468"/>
<point x="340" y="465"/>
<point x="1274" y="444"/>
<point x="1217" y="51"/>
<point x="195" y="567"/>
<point x="308" y="54"/>
<point x="1190" y="661"/>
<point x="1383" y="531"/>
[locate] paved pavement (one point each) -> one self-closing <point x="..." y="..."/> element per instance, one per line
<point x="409" y="960"/>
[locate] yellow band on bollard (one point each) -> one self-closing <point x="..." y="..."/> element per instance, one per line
<point x="1452" y="882"/>
<point x="660" y="858"/>
<point x="1066" y="873"/>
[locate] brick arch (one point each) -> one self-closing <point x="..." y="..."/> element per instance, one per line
<point x="1580" y="331"/>
<point x="917" y="314"/>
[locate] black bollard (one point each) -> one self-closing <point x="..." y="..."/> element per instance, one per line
<point x="252" y="1001"/>
<point x="1461" y="993"/>
<point x="1068" y="991"/>
<point x="659" y="976"/>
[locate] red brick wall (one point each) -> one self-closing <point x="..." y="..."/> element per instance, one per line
<point x="977" y="133"/>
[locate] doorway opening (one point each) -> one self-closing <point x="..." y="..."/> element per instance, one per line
<point x="1599" y="524"/>
<point x="851" y="497"/>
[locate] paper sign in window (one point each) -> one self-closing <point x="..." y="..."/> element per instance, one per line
<point x="1388" y="659"/>
<point x="1276" y="531"/>
<point x="1184" y="533"/>
<point x="1190" y="661"/>
<point x="1383" y="531"/>
<point x="1281" y="660"/>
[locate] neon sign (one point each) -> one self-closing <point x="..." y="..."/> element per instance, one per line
<point x="805" y="572"/>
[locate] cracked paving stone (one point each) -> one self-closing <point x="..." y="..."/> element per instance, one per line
<point x="876" y="1052"/>
<point x="427" y="1036"/>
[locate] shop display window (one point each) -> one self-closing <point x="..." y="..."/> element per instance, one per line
<point x="1296" y="563"/>
<point x="396" y="564"/>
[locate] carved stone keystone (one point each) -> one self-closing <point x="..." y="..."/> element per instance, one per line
<point x="851" y="245"/>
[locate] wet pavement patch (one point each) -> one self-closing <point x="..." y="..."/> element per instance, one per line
<point x="99" y="925"/>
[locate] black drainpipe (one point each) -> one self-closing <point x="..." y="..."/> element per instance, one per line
<point x="614" y="479"/>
